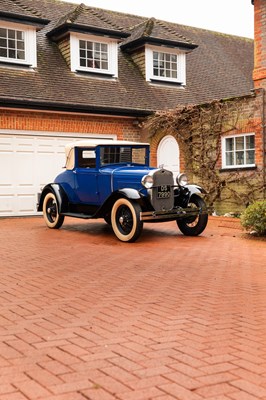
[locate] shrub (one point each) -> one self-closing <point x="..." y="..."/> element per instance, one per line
<point x="254" y="217"/>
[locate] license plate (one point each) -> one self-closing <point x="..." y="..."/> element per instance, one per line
<point x="164" y="192"/>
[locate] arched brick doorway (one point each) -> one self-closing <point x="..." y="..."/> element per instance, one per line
<point x="168" y="154"/>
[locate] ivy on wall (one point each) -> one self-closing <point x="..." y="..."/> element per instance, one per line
<point x="198" y="130"/>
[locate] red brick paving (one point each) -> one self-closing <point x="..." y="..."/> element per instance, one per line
<point x="84" y="316"/>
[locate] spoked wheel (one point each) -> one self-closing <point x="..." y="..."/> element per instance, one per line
<point x="194" y="225"/>
<point x="50" y="212"/>
<point x="125" y="220"/>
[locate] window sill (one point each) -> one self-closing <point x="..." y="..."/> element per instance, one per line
<point x="98" y="75"/>
<point x="238" y="169"/>
<point x="166" y="83"/>
<point x="15" y="64"/>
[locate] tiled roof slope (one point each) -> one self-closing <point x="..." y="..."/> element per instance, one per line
<point x="220" y="67"/>
<point x="18" y="8"/>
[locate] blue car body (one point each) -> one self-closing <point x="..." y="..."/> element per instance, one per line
<point x="113" y="180"/>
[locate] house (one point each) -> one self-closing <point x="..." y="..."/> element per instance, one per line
<point x="71" y="71"/>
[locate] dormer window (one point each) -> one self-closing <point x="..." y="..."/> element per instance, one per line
<point x="165" y="64"/>
<point x="93" y="54"/>
<point x="17" y="44"/>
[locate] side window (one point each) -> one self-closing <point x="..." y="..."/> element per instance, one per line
<point x="163" y="64"/>
<point x="94" y="54"/>
<point x="86" y="158"/>
<point x="18" y="44"/>
<point x="238" y="151"/>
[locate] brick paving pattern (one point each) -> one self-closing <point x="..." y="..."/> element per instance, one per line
<point x="84" y="316"/>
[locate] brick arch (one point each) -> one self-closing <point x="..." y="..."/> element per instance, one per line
<point x="154" y="143"/>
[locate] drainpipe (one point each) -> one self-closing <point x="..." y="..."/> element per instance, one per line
<point x="263" y="142"/>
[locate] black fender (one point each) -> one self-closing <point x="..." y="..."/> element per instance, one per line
<point x="128" y="193"/>
<point x="195" y="189"/>
<point x="61" y="197"/>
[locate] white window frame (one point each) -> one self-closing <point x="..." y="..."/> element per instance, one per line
<point x="181" y="70"/>
<point x="30" y="44"/>
<point x="112" y="50"/>
<point x="234" y="151"/>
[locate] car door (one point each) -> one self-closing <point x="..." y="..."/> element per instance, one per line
<point x="86" y="177"/>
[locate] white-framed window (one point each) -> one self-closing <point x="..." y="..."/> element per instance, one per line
<point x="18" y="44"/>
<point x="93" y="54"/>
<point x="165" y="64"/>
<point x="238" y="151"/>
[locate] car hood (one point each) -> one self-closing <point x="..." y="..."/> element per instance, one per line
<point x="127" y="176"/>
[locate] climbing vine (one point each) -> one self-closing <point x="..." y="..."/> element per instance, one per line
<point x="198" y="131"/>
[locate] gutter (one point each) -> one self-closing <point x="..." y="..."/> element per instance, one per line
<point x="72" y="108"/>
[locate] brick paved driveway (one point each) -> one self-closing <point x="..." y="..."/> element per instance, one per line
<point x="84" y="316"/>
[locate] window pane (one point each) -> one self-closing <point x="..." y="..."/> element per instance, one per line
<point x="20" y="35"/>
<point x="155" y="72"/>
<point x="3" y="42"/>
<point x="104" y="65"/>
<point x="3" y="33"/>
<point x="82" y="44"/>
<point x="20" y="45"/>
<point x="250" y="142"/>
<point x="11" y="44"/>
<point x="20" y="54"/>
<point x="240" y="158"/>
<point x="11" y="54"/>
<point x="174" y="74"/>
<point x="250" y="157"/>
<point x="229" y="159"/>
<point x="11" y="34"/>
<point x="82" y="62"/>
<point x="239" y="143"/>
<point x="229" y="144"/>
<point x="3" y="52"/>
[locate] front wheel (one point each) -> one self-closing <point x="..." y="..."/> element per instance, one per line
<point x="125" y="220"/>
<point x="195" y="225"/>
<point x="50" y="212"/>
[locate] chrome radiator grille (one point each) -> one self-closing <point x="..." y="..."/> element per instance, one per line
<point x="162" y="193"/>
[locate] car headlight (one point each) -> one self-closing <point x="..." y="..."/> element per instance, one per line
<point x="182" y="179"/>
<point x="147" y="181"/>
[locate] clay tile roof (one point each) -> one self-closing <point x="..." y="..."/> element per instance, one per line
<point x="219" y="67"/>
<point x="16" y="9"/>
<point x="86" y="19"/>
<point x="154" y="31"/>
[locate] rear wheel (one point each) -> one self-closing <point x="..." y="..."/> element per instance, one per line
<point x="194" y="225"/>
<point x="50" y="212"/>
<point x="125" y="220"/>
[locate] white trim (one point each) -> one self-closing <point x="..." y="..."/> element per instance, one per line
<point x="112" y="53"/>
<point x="30" y="44"/>
<point x="78" y="135"/>
<point x="239" y="166"/>
<point x="181" y="72"/>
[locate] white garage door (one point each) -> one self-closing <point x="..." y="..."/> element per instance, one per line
<point x="27" y="163"/>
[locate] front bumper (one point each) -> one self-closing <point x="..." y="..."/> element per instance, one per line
<point x="176" y="213"/>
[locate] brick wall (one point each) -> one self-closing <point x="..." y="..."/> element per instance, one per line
<point x="259" y="73"/>
<point x="124" y="128"/>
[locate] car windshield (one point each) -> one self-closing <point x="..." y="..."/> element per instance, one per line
<point x="123" y="155"/>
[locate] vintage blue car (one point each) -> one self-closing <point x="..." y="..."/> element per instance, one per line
<point x="113" y="180"/>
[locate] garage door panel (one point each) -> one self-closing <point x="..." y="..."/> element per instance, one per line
<point x="26" y="203"/>
<point x="28" y="163"/>
<point x="25" y="170"/>
<point x="7" y="203"/>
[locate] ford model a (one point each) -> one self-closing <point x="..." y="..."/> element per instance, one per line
<point x="113" y="180"/>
